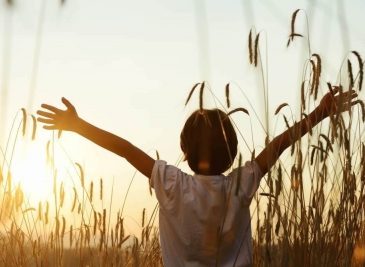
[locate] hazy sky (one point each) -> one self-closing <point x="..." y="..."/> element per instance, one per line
<point x="128" y="66"/>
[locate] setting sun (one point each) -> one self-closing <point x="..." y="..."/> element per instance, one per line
<point x="182" y="133"/>
<point x="33" y="173"/>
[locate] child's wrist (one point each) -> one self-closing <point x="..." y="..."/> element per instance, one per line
<point x="77" y="125"/>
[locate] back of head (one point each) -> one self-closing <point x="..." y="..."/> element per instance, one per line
<point x="209" y="142"/>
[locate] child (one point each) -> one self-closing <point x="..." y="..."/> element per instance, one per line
<point x="205" y="217"/>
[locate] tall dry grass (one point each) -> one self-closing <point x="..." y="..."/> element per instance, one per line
<point x="312" y="213"/>
<point x="72" y="229"/>
<point x="309" y="211"/>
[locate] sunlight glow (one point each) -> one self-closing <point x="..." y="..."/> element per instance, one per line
<point x="34" y="175"/>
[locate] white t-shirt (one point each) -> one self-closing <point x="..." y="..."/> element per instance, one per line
<point x="193" y="209"/>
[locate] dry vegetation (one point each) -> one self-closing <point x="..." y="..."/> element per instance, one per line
<point x="310" y="214"/>
<point x="314" y="211"/>
<point x="44" y="235"/>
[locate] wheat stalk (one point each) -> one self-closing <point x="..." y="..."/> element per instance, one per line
<point x="250" y="51"/>
<point x="227" y="96"/>
<point x="361" y="68"/>
<point x="350" y="75"/>
<point x="256" y="49"/>
<point x="24" y="120"/>
<point x="82" y="176"/>
<point x="237" y="110"/>
<point x="280" y="107"/>
<point x="34" y="130"/>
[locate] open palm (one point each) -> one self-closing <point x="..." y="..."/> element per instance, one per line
<point x="336" y="101"/>
<point x="57" y="119"/>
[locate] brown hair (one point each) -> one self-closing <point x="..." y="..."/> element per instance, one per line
<point x="209" y="142"/>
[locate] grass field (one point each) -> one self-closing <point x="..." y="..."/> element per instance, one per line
<point x="310" y="209"/>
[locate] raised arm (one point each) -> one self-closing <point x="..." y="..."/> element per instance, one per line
<point x="68" y="120"/>
<point x="331" y="103"/>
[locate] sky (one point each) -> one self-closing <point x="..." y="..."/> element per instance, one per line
<point x="128" y="66"/>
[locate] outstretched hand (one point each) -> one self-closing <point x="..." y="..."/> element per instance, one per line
<point x="57" y="119"/>
<point x="335" y="102"/>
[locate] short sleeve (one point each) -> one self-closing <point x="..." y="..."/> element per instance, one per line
<point x="165" y="179"/>
<point x="247" y="178"/>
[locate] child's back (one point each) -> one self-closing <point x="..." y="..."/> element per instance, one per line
<point x="193" y="210"/>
